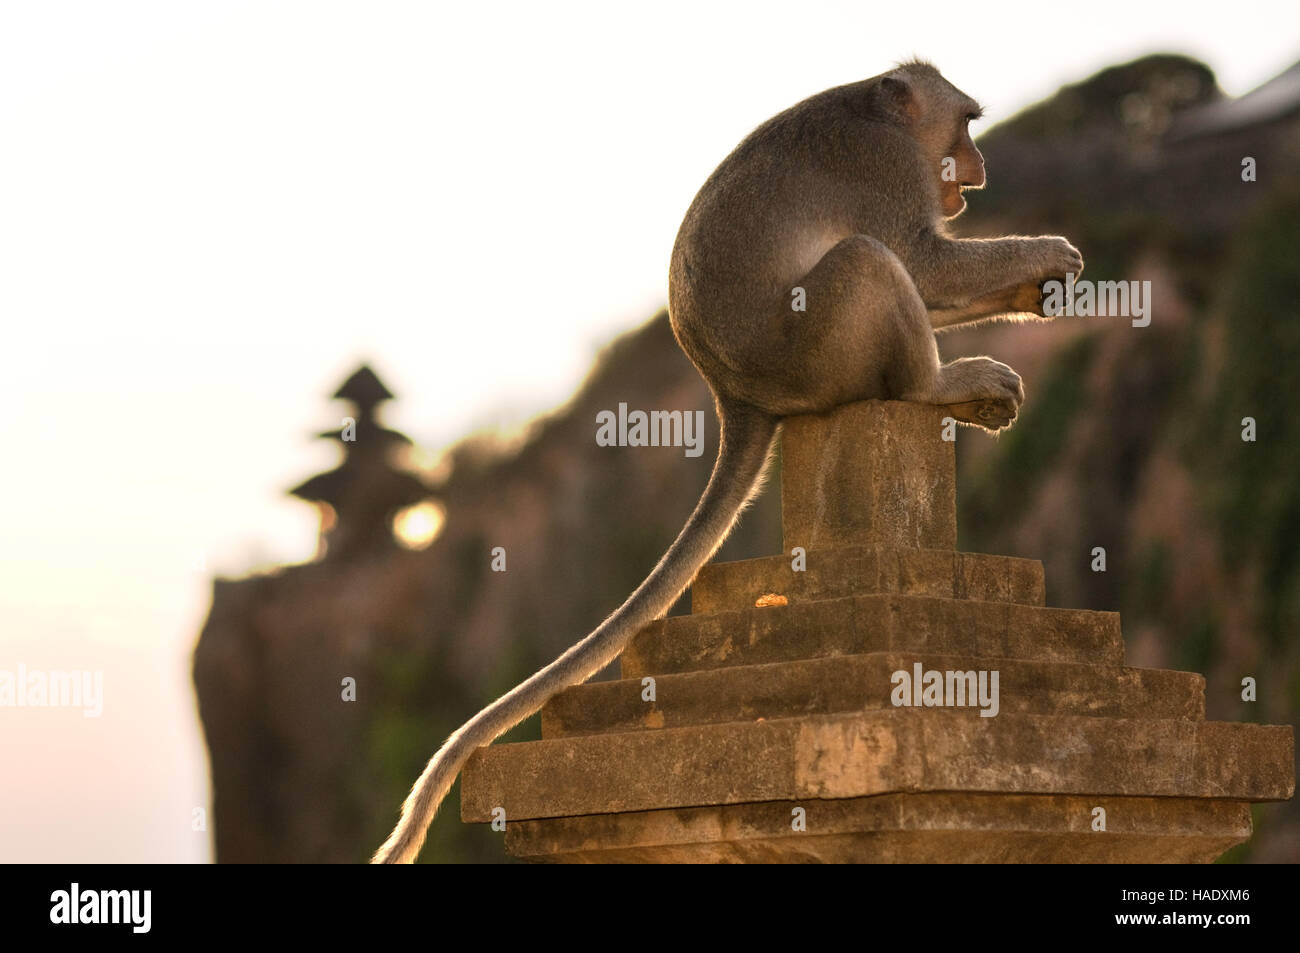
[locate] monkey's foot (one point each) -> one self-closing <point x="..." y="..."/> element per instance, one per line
<point x="992" y="413"/>
<point x="979" y="391"/>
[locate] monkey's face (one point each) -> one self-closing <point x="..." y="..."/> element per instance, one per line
<point x="965" y="171"/>
<point x="937" y="115"/>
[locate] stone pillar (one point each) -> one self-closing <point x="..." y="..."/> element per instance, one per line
<point x="877" y="473"/>
<point x="776" y="733"/>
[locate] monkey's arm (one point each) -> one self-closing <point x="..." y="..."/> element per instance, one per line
<point x="1025" y="299"/>
<point x="954" y="274"/>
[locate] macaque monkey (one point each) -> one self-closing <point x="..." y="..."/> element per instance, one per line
<point x="840" y="204"/>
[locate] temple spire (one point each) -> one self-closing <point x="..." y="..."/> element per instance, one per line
<point x="359" y="498"/>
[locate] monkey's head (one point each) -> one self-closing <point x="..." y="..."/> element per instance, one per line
<point x="938" y="116"/>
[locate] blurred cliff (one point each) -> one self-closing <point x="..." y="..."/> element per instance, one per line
<point x="1130" y="440"/>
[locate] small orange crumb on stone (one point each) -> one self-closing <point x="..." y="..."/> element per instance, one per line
<point x="771" y="599"/>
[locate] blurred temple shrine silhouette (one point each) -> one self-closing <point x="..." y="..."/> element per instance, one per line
<point x="359" y="499"/>
<point x="290" y="669"/>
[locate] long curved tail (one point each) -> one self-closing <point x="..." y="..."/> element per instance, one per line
<point x="747" y="437"/>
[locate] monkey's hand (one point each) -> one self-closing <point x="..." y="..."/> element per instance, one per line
<point x="1055" y="258"/>
<point x="1058" y="264"/>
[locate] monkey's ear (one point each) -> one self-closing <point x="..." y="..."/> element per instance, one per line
<point x="895" y="100"/>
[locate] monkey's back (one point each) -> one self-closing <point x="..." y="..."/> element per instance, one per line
<point x="788" y="193"/>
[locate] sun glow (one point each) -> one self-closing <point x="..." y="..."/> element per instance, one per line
<point x="416" y="527"/>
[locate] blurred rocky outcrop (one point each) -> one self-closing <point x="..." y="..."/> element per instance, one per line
<point x="1131" y="437"/>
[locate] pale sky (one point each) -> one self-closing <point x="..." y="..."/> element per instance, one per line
<point x="209" y="212"/>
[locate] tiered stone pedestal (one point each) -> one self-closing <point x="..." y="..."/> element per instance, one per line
<point x="759" y="711"/>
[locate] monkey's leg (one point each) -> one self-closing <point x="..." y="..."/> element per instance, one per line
<point x="1023" y="300"/>
<point x="867" y="334"/>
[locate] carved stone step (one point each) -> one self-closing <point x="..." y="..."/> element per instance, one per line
<point x="898" y="828"/>
<point x="761" y="710"/>
<point x="878" y="752"/>
<point x="860" y="682"/>
<point x="878" y="623"/>
<point x="865" y="570"/>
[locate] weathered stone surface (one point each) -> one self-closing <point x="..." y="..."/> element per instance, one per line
<point x="875" y="473"/>
<point x="898" y="828"/>
<point x="863" y="570"/>
<point x="874" y="624"/>
<point x="761" y="710"/>
<point x="858" y="682"/>
<point x="879" y="752"/>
